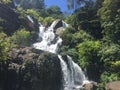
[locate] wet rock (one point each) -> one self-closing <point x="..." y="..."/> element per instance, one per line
<point x="58" y="23"/>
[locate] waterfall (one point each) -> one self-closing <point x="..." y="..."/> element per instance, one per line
<point x="73" y="76"/>
<point x="29" y="18"/>
<point x="50" y="42"/>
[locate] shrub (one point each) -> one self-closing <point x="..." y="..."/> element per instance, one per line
<point x="48" y="20"/>
<point x="89" y="58"/>
<point x="105" y="78"/>
<point x="21" y="37"/>
<point x="4" y="46"/>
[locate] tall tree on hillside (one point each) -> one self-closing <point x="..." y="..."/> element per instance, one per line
<point x="110" y="15"/>
<point x="86" y="18"/>
<point x="55" y="12"/>
<point x="74" y="4"/>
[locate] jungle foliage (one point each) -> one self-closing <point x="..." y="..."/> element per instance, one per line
<point x="92" y="38"/>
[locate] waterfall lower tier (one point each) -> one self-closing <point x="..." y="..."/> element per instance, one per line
<point x="73" y="77"/>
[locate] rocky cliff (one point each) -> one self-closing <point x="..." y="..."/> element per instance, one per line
<point x="30" y="69"/>
<point x="10" y="21"/>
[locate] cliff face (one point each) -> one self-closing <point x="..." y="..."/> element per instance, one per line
<point x="8" y="19"/>
<point x="30" y="69"/>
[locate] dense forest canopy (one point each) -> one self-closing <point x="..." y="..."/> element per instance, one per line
<point x="92" y="38"/>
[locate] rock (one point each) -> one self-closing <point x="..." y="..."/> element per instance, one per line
<point x="90" y="86"/>
<point x="57" y="23"/>
<point x="60" y="30"/>
<point x="115" y="85"/>
<point x="31" y="26"/>
<point x="9" y="19"/>
<point x="30" y="69"/>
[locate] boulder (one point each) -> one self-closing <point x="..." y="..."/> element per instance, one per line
<point x="90" y="86"/>
<point x="115" y="85"/>
<point x="60" y="30"/>
<point x="57" y="23"/>
<point x="30" y="69"/>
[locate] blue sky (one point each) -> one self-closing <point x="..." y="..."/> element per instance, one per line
<point x="61" y="3"/>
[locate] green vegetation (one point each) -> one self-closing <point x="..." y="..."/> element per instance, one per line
<point x="92" y="38"/>
<point x="21" y="38"/>
<point x="6" y="1"/>
<point x="5" y="45"/>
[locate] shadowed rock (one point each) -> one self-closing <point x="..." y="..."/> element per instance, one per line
<point x="8" y="19"/>
<point x="30" y="69"/>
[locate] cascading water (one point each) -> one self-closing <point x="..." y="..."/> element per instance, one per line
<point x="73" y="77"/>
<point x="50" y="42"/>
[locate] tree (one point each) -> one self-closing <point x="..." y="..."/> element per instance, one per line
<point x="5" y="45"/>
<point x="21" y="37"/>
<point x="30" y="4"/>
<point x="72" y="4"/>
<point x="110" y="55"/>
<point x="47" y="21"/>
<point x="89" y="58"/>
<point x="55" y="12"/>
<point x="110" y="16"/>
<point x="85" y="18"/>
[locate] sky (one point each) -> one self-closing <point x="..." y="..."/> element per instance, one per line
<point x="61" y="3"/>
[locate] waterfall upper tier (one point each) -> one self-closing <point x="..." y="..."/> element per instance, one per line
<point x="49" y="41"/>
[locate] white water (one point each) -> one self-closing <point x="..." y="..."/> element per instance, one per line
<point x="73" y="77"/>
<point x="50" y="42"/>
<point x="30" y="18"/>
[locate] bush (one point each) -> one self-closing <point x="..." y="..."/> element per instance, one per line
<point x="107" y="77"/>
<point x="33" y="13"/>
<point x="21" y="38"/>
<point x="110" y="52"/>
<point x="5" y="45"/>
<point x="68" y="19"/>
<point x="72" y="37"/>
<point x="89" y="58"/>
<point x="48" y="20"/>
<point x="88" y="52"/>
<point x="6" y="1"/>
